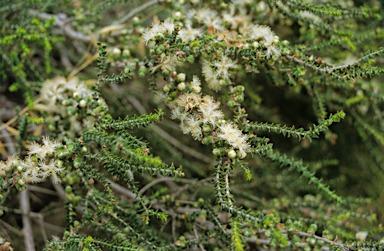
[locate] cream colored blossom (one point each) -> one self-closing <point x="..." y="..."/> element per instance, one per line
<point x="222" y="67"/>
<point x="213" y="82"/>
<point x="188" y="100"/>
<point x="188" y="34"/>
<point x="195" y="84"/>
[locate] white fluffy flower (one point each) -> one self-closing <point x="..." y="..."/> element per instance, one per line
<point x="234" y="137"/>
<point x="188" y="33"/>
<point x="360" y="236"/>
<point x="208" y="109"/>
<point x="188" y="100"/>
<point x="149" y="35"/>
<point x="50" y="169"/>
<point x="48" y="148"/>
<point x="272" y="50"/>
<point x="168" y="26"/>
<point x="32" y="171"/>
<point x="213" y="82"/>
<point x="195" y="84"/>
<point x="223" y="66"/>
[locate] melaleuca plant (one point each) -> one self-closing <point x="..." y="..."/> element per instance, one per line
<point x="265" y="127"/>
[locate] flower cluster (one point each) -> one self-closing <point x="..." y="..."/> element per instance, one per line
<point x="230" y="133"/>
<point x="202" y="118"/>
<point x="63" y="100"/>
<point x="158" y="30"/>
<point x="263" y="34"/>
<point x="38" y="165"/>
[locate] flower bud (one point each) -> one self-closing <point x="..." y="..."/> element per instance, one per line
<point x="82" y="103"/>
<point x="207" y="128"/>
<point x="20" y="169"/>
<point x="196" y="89"/>
<point x="285" y="42"/>
<point x="181" y="77"/>
<point x="116" y="51"/>
<point x="126" y="53"/>
<point x="21" y="182"/>
<point x="181" y="86"/>
<point x="216" y="151"/>
<point x="76" y="95"/>
<point x="207" y="140"/>
<point x="231" y="103"/>
<point x="242" y="155"/>
<point x="232" y="154"/>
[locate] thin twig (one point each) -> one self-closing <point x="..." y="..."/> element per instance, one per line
<point x="27" y="225"/>
<point x="146" y="187"/>
<point x="137" y="10"/>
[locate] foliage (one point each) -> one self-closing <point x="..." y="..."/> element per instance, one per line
<point x="241" y="80"/>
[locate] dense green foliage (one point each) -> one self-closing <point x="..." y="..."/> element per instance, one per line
<point x="196" y="125"/>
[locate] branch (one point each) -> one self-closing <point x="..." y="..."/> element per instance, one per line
<point x="138" y="9"/>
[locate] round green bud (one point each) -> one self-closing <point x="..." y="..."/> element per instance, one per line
<point x="1" y="214"/>
<point x="21" y="188"/>
<point x="190" y="59"/>
<point x="216" y="151"/>
<point x="100" y="108"/>
<point x="240" y="98"/>
<point x="312" y="242"/>
<point x="195" y="43"/>
<point x="285" y="51"/>
<point x="166" y="73"/>
<point x="76" y="223"/>
<point x="67" y="234"/>
<point x="275" y="57"/>
<point x="83" y="150"/>
<point x="239" y="88"/>
<point x="231" y="103"/>
<point x="67" y="102"/>
<point x="167" y="88"/>
<point x="232" y="154"/>
<point x="68" y="189"/>
<point x="207" y="140"/>
<point x="70" y="197"/>
<point x="222" y="82"/>
<point x="285" y="42"/>
<point x="172" y="95"/>
<point x="72" y="111"/>
<point x="267" y="233"/>
<point x="206" y="128"/>
<point x="159" y="36"/>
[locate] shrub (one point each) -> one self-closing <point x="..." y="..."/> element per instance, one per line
<point x="211" y="125"/>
